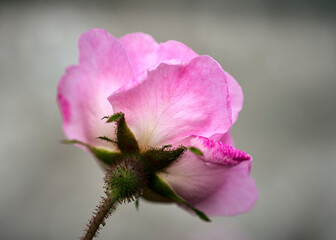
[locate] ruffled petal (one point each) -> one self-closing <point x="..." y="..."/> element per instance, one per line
<point x="176" y="101"/>
<point x="144" y="52"/>
<point x="217" y="152"/>
<point x="83" y="90"/>
<point x="217" y="183"/>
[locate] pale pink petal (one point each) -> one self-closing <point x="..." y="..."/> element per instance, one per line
<point x="236" y="96"/>
<point x="224" y="138"/>
<point x="102" y="55"/>
<point x="177" y="101"/>
<point x="175" y="50"/>
<point x="236" y="102"/>
<point x="227" y="139"/>
<point x="237" y="193"/>
<point x="145" y="53"/>
<point x="217" y="183"/>
<point x="83" y="90"/>
<point x="141" y="49"/>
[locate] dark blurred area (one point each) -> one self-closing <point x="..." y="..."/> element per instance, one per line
<point x="283" y="53"/>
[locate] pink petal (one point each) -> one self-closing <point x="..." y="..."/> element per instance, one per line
<point x="225" y="138"/>
<point x="83" y="90"/>
<point x="141" y="49"/>
<point x="176" y="101"/>
<point x="237" y="193"/>
<point x="236" y="96"/>
<point x="236" y="102"/>
<point x="175" y="50"/>
<point x="145" y="53"/>
<point x="212" y="183"/>
<point x="102" y="55"/>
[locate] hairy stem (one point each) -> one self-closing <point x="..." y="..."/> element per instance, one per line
<point x="102" y="212"/>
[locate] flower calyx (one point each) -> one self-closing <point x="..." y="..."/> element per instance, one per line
<point x="126" y="179"/>
<point x="156" y="159"/>
<point x="131" y="172"/>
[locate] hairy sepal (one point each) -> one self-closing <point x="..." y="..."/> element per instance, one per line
<point x="126" y="140"/>
<point x="106" y="156"/>
<point x="159" y="159"/>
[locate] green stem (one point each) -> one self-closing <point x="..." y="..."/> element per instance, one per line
<point x="103" y="211"/>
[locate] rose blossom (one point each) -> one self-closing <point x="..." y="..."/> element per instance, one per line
<point x="170" y="96"/>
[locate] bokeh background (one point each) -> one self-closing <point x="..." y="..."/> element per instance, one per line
<point x="283" y="53"/>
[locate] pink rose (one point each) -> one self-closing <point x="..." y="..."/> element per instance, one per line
<point x="170" y="96"/>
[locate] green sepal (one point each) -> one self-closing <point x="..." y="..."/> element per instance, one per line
<point x="159" y="159"/>
<point x="102" y="154"/>
<point x="104" y="138"/>
<point x="126" y="140"/>
<point x="159" y="186"/>
<point x="113" y="118"/>
<point x="196" y="151"/>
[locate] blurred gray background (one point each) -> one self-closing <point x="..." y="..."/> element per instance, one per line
<point x="283" y="53"/>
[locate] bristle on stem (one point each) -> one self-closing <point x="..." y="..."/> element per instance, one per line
<point x="102" y="212"/>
